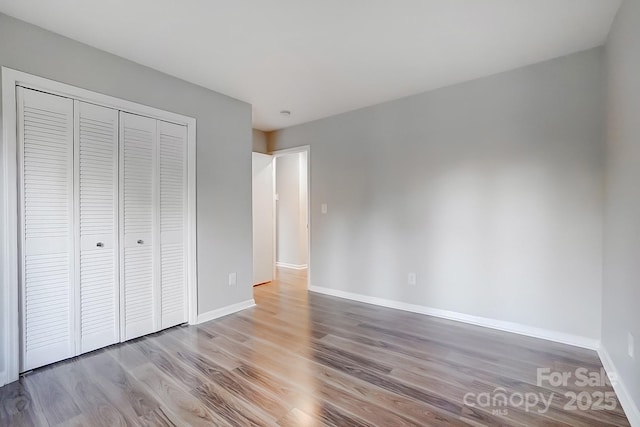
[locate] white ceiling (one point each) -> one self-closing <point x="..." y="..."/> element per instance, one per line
<point x="323" y="57"/>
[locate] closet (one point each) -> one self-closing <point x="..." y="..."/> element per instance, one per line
<point x="103" y="214"/>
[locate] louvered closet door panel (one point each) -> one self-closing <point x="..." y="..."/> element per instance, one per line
<point x="97" y="177"/>
<point x="45" y="129"/>
<point x="173" y="191"/>
<point x="138" y="220"/>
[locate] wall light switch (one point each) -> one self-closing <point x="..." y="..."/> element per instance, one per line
<point x="233" y="278"/>
<point x="411" y="278"/>
<point x="323" y="208"/>
<point x="631" y="346"/>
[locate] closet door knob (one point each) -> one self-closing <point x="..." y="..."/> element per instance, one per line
<point x="100" y="244"/>
<point x="141" y="242"/>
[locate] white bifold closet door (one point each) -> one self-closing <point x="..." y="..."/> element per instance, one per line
<point x="48" y="292"/>
<point x="139" y="219"/>
<point x="173" y="214"/>
<point x="68" y="160"/>
<point x="97" y="203"/>
<point x="153" y="212"/>
<point x="103" y="208"/>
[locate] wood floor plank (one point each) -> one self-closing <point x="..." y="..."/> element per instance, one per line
<point x="295" y="369"/>
<point x="358" y="403"/>
<point x="439" y="357"/>
<point x="95" y="407"/>
<point x="206" y="365"/>
<point x="347" y="366"/>
<point x="18" y="408"/>
<point x="304" y="359"/>
<point x="199" y="343"/>
<point x="120" y="386"/>
<point x="127" y="354"/>
<point x="230" y="408"/>
<point x="438" y="378"/>
<point x="298" y="418"/>
<point x="429" y="325"/>
<point x="77" y="421"/>
<point x="156" y="355"/>
<point x="179" y="406"/>
<point x="217" y="327"/>
<point x="158" y="418"/>
<point x="57" y="404"/>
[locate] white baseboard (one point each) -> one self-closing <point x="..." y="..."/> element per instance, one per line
<point x="626" y="400"/>
<point x="291" y="266"/>
<point x="3" y="378"/>
<point x="224" y="311"/>
<point x="516" y="328"/>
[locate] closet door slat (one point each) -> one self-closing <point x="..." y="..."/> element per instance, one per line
<point x="173" y="191"/>
<point x="138" y="199"/>
<point x="97" y="194"/>
<point x="45" y="126"/>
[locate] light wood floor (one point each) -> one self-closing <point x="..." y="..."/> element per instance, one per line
<point x="303" y="359"/>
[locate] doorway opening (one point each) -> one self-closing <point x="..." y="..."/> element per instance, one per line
<point x="281" y="216"/>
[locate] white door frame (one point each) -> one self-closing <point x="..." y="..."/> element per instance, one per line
<point x="284" y="152"/>
<point x="10" y="256"/>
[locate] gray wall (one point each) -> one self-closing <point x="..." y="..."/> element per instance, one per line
<point x="621" y="293"/>
<point x="491" y="191"/>
<point x="259" y="144"/>
<point x="223" y="144"/>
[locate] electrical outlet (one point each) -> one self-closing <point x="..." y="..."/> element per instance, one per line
<point x="631" y="346"/>
<point x="411" y="279"/>
<point x="323" y="208"/>
<point x="233" y="278"/>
